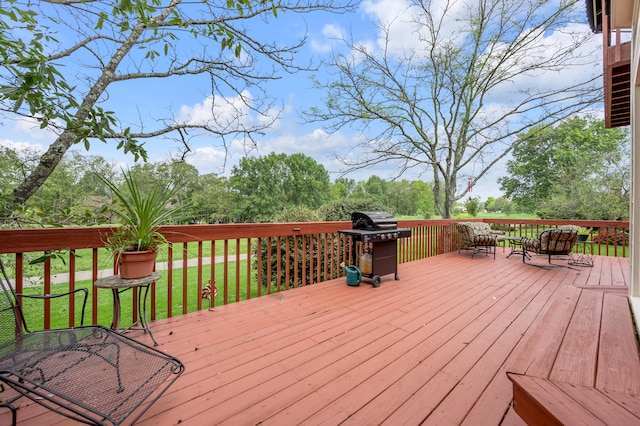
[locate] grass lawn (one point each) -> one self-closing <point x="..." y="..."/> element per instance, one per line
<point x="59" y="307"/>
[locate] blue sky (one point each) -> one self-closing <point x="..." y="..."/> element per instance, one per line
<point x="294" y="93"/>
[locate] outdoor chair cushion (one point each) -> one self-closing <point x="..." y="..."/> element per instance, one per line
<point x="552" y="242"/>
<point x="482" y="228"/>
<point x="477" y="236"/>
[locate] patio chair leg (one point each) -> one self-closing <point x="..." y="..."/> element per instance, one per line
<point x="14" y="415"/>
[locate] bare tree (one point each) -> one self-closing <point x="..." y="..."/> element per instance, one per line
<point x="60" y="61"/>
<point x="452" y="95"/>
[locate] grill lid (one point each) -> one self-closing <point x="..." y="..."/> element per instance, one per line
<point x="373" y="221"/>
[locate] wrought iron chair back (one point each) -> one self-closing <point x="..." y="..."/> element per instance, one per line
<point x="552" y="242"/>
<point x="12" y="320"/>
<point x="10" y="323"/>
<point x="477" y="237"/>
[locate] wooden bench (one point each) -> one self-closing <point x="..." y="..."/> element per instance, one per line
<point x="579" y="364"/>
<point x="548" y="402"/>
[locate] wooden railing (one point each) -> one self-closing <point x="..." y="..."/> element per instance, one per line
<point x="608" y="238"/>
<point x="242" y="260"/>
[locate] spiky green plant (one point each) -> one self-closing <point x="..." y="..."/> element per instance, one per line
<point x="140" y="214"/>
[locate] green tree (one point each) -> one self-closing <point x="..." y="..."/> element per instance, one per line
<point x="211" y="200"/>
<point x="426" y="200"/>
<point x="146" y="175"/>
<point x="62" y="198"/>
<point x="490" y="204"/>
<point x="453" y="104"/>
<point x="410" y="198"/>
<point x="15" y="165"/>
<point x="71" y="196"/>
<point x="473" y="206"/>
<point x="402" y="199"/>
<point x="343" y="188"/>
<point x="377" y="189"/>
<point x="142" y="43"/>
<point x="566" y="170"/>
<point x="185" y="178"/>
<point x="341" y="209"/>
<point x="503" y="205"/>
<point x="265" y="185"/>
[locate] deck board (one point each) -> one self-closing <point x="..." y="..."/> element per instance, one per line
<point x="432" y="348"/>
<point x="618" y="358"/>
<point x="578" y="354"/>
<point x="569" y="404"/>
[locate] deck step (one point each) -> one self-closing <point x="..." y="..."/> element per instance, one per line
<point x="543" y="401"/>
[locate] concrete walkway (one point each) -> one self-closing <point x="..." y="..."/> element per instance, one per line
<point x="160" y="266"/>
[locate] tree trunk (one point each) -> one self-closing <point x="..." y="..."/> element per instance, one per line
<point x="68" y="137"/>
<point x="46" y="166"/>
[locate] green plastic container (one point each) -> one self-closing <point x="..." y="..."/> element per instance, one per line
<point x="354" y="276"/>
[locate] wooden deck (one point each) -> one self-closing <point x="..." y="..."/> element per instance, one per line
<point x="432" y="348"/>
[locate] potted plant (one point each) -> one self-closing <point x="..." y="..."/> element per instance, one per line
<point x="583" y="234"/>
<point x="135" y="242"/>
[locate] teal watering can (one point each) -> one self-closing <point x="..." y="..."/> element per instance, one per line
<point x="354" y="276"/>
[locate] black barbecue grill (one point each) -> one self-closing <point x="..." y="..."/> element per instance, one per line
<point x="376" y="233"/>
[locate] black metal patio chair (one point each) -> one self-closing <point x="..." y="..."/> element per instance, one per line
<point x="551" y="242"/>
<point x="88" y="373"/>
<point x="478" y="238"/>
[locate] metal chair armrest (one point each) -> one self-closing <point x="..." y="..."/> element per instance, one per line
<point x="57" y="295"/>
<point x="487" y="236"/>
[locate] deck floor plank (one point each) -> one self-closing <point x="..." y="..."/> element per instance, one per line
<point x="552" y="407"/>
<point x="491" y="367"/>
<point x="367" y="381"/>
<point x="493" y="344"/>
<point x="498" y="395"/>
<point x="577" y="357"/>
<point x="600" y="404"/>
<point x="433" y="347"/>
<point x="618" y="273"/>
<point x="536" y="355"/>
<point x="595" y="275"/>
<point x="618" y="365"/>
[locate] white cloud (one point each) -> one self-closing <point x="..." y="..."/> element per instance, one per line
<point x="386" y="10"/>
<point x="226" y="112"/>
<point x="316" y="141"/>
<point x="397" y="16"/>
<point x="21" y="146"/>
<point x="208" y="160"/>
<point x="400" y="16"/>
<point x="583" y="64"/>
<point x="29" y="128"/>
<point x="331" y="34"/>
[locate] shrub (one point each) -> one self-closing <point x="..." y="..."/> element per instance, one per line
<point x="611" y="236"/>
<point x="341" y="209"/>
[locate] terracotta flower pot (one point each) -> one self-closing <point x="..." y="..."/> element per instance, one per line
<point x="136" y="264"/>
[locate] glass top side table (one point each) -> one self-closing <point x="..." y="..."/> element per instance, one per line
<point x="118" y="285"/>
